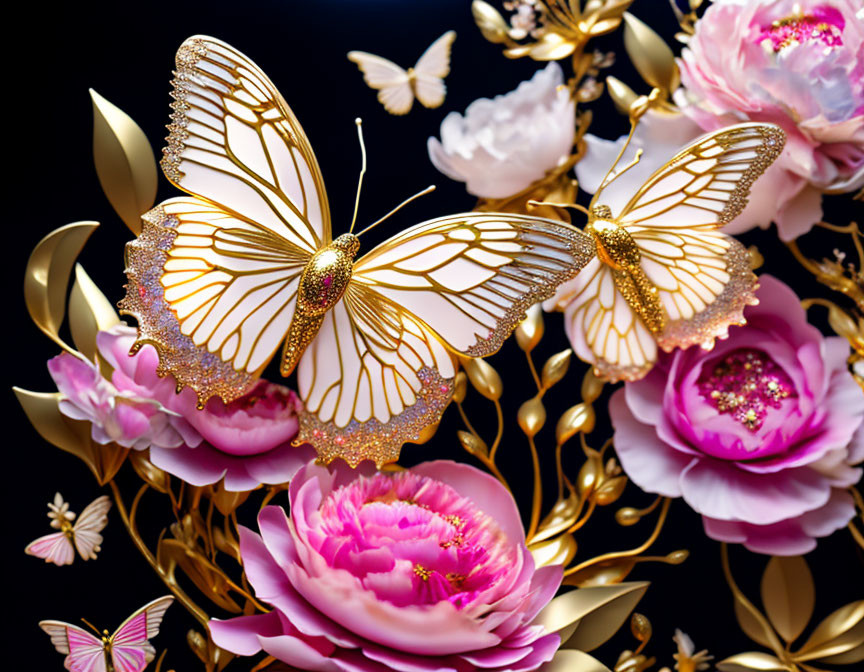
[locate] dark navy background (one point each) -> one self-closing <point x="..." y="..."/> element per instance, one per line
<point x="125" y="51"/>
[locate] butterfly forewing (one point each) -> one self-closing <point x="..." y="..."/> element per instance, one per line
<point x="89" y="525"/>
<point x="235" y="141"/>
<point x="84" y="652"/>
<point x="431" y="69"/>
<point x="391" y="81"/>
<point x="55" y="548"/>
<point x="130" y="649"/>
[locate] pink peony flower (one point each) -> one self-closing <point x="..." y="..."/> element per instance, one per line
<point x="758" y="435"/>
<point x="795" y="63"/>
<point x="117" y="414"/>
<point x="424" y="569"/>
<point x="247" y="442"/>
<point x="500" y="146"/>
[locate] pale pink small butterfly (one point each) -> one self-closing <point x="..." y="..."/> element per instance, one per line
<point x="84" y="535"/>
<point x="127" y="650"/>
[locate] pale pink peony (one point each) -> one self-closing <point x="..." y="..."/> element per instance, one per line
<point x="795" y="63"/>
<point x="246" y="443"/>
<point x="421" y="570"/>
<point x="759" y="435"/>
<point x="500" y="146"/>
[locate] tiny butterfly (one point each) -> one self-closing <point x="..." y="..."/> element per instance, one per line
<point x="84" y="535"/>
<point x="127" y="650"/>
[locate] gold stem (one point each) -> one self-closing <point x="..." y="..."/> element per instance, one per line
<point x="488" y="462"/>
<point x="592" y="504"/>
<point x="497" y="442"/>
<point x="633" y="551"/>
<point x="537" y="500"/>
<point x="534" y="371"/>
<point x="856" y="535"/>
<point x="131" y="528"/>
<point x="859" y="499"/>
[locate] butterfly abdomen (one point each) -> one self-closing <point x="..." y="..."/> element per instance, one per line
<point x="616" y="248"/>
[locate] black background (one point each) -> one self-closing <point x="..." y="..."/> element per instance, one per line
<point x="125" y="51"/>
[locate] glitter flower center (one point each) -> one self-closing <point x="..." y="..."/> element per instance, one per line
<point x="746" y="384"/>
<point x="431" y="543"/>
<point x="824" y="25"/>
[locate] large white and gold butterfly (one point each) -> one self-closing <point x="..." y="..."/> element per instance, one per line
<point x="663" y="275"/>
<point x="398" y="87"/>
<point x="219" y="279"/>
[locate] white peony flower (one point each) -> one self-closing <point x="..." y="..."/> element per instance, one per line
<point x="500" y="146"/>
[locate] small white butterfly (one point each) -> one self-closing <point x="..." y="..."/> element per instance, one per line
<point x="84" y="535"/>
<point x="397" y="87"/>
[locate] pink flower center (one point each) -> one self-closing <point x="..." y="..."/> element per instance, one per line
<point x="746" y="384"/>
<point x="414" y="541"/>
<point x="824" y="24"/>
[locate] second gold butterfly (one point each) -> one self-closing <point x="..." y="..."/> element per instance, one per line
<point x="397" y="87"/>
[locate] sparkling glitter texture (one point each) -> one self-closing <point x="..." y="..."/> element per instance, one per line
<point x="746" y="384"/>
<point x="824" y="24"/>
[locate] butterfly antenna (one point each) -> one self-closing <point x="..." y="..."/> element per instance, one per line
<point x="609" y="177"/>
<point x="92" y="627"/>
<point x="359" y="123"/>
<point x="427" y="190"/>
<point x="575" y="206"/>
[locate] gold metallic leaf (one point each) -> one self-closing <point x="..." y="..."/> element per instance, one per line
<point x="751" y="627"/>
<point x="531" y="416"/>
<point x="602" y="574"/>
<point x="47" y="276"/>
<point x="788" y="595"/>
<point x="124" y="162"/>
<point x="568" y="660"/>
<point x="650" y="54"/>
<point x="600" y="610"/>
<point x="227" y="501"/>
<point x="592" y="386"/>
<point x="610" y="490"/>
<point x="840" y="633"/>
<point x="72" y="436"/>
<point x="578" y="418"/>
<point x="756" y="258"/>
<point x="627" y="516"/>
<point x="173" y="553"/>
<point x="621" y="94"/>
<point x="148" y="472"/>
<point x="590" y="474"/>
<point x="483" y="377"/>
<point x="557" y="551"/>
<point x="556" y="367"/>
<point x="530" y="330"/>
<point x="491" y="24"/>
<point x="640" y="626"/>
<point x="551" y="47"/>
<point x="752" y="660"/>
<point x="561" y="517"/>
<point x="855" y="655"/>
<point x="460" y="387"/>
<point x="842" y="323"/>
<point x="89" y="313"/>
<point x="473" y="444"/>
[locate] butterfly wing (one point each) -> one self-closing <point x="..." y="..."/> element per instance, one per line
<point x="431" y="69"/>
<point x="392" y="82"/>
<point x="83" y="651"/>
<point x="458" y="284"/>
<point x="86" y="532"/>
<point x="55" y="548"/>
<point x="702" y="277"/>
<point x="130" y="649"/>
<point x="234" y="141"/>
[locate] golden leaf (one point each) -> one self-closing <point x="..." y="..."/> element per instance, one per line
<point x="531" y="416"/>
<point x="751" y="627"/>
<point x="650" y="54"/>
<point x="788" y="595"/>
<point x="89" y="313"/>
<point x="602" y="573"/>
<point x="610" y="490"/>
<point x="855" y="655"/>
<point x="148" y="472"/>
<point x="47" y="276"/>
<point x="560" y="518"/>
<point x="460" y="387"/>
<point x="752" y="660"/>
<point x="530" y="330"/>
<point x="483" y="377"/>
<point x="491" y="24"/>
<point x="557" y="551"/>
<point x="72" y="436"/>
<point x="124" y="162"/>
<point x="590" y="474"/>
<point x="578" y="418"/>
<point x="621" y="94"/>
<point x="551" y="47"/>
<point x="556" y="367"/>
<point x="841" y="632"/>
<point x="472" y="443"/>
<point x="567" y="660"/>
<point x="756" y="258"/>
<point x="173" y="553"/>
<point x="592" y="386"/>
<point x="640" y="626"/>
<point x="227" y="501"/>
<point x="600" y="610"/>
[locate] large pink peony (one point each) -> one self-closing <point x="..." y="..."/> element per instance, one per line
<point x="246" y="443"/>
<point x="421" y="570"/>
<point x="795" y="63"/>
<point x="759" y="435"/>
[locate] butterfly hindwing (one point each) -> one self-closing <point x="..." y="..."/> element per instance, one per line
<point x="89" y="525"/>
<point x="54" y="548"/>
<point x="431" y="69"/>
<point x="390" y="80"/>
<point x="83" y="651"/>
